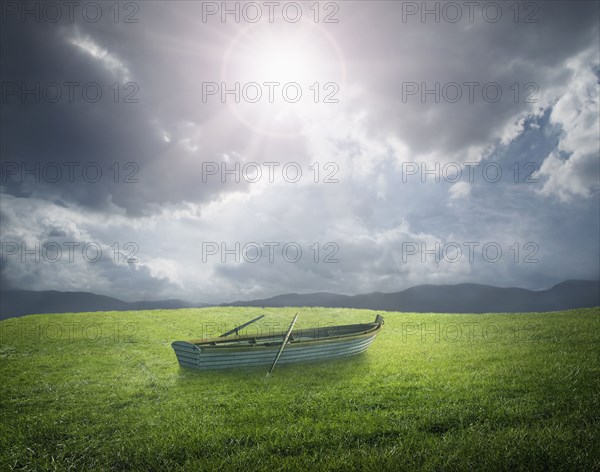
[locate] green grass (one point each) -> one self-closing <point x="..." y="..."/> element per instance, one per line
<point x="103" y="391"/>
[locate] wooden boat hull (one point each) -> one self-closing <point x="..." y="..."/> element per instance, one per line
<point x="310" y="345"/>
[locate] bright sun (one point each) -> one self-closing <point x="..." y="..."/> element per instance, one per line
<point x="305" y="52"/>
<point x="287" y="61"/>
<point x="304" y="55"/>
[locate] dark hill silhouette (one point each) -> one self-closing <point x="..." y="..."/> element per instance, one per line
<point x="14" y="303"/>
<point x="460" y="298"/>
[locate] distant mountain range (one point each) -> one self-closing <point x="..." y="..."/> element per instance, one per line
<point x="460" y="298"/>
<point x="15" y="303"/>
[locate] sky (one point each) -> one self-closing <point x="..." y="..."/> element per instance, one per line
<point x="216" y="152"/>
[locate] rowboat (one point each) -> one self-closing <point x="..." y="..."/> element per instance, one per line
<point x="300" y="345"/>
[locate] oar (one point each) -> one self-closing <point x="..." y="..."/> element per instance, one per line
<point x="238" y="328"/>
<point x="289" y="331"/>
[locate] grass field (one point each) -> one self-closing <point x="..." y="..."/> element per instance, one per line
<point x="103" y="391"/>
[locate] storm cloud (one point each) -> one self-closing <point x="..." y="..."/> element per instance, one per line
<point x="454" y="134"/>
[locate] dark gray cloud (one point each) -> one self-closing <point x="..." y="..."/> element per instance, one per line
<point x="156" y="195"/>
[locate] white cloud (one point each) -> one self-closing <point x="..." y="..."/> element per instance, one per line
<point x="572" y="170"/>
<point x="460" y="190"/>
<point x="67" y="263"/>
<point x="108" y="60"/>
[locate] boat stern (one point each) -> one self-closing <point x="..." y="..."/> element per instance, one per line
<point x="188" y="354"/>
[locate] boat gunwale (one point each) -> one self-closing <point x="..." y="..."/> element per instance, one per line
<point x="271" y="342"/>
<point x="274" y="346"/>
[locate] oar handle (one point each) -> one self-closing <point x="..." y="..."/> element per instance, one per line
<point x="285" y="340"/>
<point x="238" y="328"/>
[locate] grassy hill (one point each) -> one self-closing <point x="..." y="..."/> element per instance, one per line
<point x="103" y="391"/>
